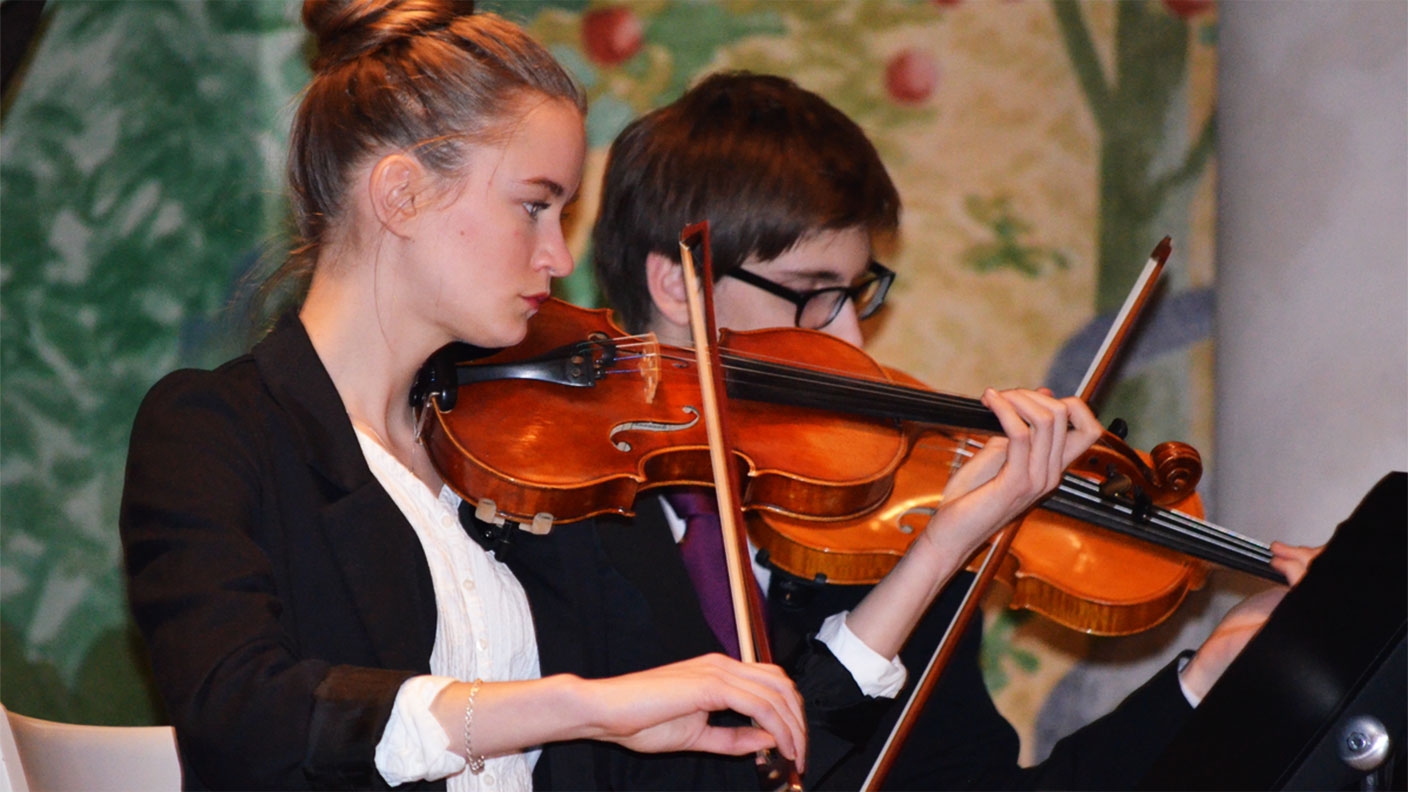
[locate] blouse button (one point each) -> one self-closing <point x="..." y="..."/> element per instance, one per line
<point x="468" y="584"/>
<point x="483" y="643"/>
<point x="488" y="779"/>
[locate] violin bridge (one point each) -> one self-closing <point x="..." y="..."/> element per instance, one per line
<point x="650" y="365"/>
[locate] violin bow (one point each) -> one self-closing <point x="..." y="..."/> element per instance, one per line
<point x="778" y="773"/>
<point x="1119" y="332"/>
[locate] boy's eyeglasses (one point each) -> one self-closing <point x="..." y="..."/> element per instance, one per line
<point x="819" y="307"/>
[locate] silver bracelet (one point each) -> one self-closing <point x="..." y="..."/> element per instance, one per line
<point x="475" y="763"/>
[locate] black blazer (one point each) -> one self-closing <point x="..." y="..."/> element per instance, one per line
<point x="283" y="596"/>
<point x="960" y="742"/>
<point x="607" y="599"/>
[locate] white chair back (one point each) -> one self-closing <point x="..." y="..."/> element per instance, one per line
<point x="11" y="772"/>
<point x="65" y="757"/>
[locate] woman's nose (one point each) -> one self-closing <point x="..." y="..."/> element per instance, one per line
<point x="556" y="258"/>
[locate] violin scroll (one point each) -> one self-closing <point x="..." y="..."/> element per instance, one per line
<point x="1177" y="466"/>
<point x="1170" y="473"/>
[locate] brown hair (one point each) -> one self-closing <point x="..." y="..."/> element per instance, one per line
<point x="424" y="76"/>
<point x="765" y="161"/>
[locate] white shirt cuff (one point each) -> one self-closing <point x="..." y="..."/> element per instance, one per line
<point x="1193" y="700"/>
<point x="875" y="675"/>
<point x="414" y="746"/>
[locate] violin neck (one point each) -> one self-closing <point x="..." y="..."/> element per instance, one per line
<point x="776" y="383"/>
<point x="1080" y="498"/>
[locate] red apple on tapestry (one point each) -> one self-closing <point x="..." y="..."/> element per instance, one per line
<point x="910" y="77"/>
<point x="611" y="34"/>
<point x="1188" y="8"/>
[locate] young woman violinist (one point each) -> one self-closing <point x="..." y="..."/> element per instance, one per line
<point x="315" y="615"/>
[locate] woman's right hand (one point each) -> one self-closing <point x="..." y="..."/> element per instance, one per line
<point x="667" y="708"/>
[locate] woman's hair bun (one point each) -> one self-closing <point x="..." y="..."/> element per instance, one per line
<point x="347" y="29"/>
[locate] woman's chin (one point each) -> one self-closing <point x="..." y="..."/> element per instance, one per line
<point x="505" y="334"/>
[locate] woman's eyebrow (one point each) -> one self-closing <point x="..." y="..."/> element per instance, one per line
<point x="551" y="186"/>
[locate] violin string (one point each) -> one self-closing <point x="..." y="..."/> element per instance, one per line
<point x="850" y="393"/>
<point x="1212" y="539"/>
<point x="846" y="386"/>
<point x="1164" y="527"/>
<point x="848" y="383"/>
<point x="1172" y="530"/>
<point x="1125" y="523"/>
<point x="857" y="394"/>
<point x="1202" y="530"/>
<point x="784" y="372"/>
<point x="1168" y="539"/>
<point x="763" y="371"/>
<point x="1179" y="521"/>
<point x="829" y="392"/>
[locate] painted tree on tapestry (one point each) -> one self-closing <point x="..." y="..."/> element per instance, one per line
<point x="1132" y="109"/>
<point x="1147" y="164"/>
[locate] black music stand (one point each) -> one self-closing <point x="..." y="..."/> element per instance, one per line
<point x="1293" y="704"/>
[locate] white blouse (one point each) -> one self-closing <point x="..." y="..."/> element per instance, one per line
<point x="484" y="630"/>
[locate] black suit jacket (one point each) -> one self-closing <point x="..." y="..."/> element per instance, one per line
<point x="283" y="596"/>
<point x="960" y="742"/>
<point x="609" y="598"/>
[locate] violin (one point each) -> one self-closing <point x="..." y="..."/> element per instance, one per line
<point x="1102" y="581"/>
<point x="824" y="436"/>
<point x="1099" y="570"/>
<point x="601" y="416"/>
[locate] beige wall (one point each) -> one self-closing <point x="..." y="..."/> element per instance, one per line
<point x="1312" y="317"/>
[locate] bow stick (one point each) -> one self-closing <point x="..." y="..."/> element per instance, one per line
<point x="776" y="771"/>
<point x="1129" y="314"/>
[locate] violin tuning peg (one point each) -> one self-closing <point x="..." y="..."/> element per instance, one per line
<point x="1119" y="428"/>
<point x="1117" y="485"/>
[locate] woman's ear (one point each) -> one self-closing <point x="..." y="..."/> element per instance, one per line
<point x="665" y="280"/>
<point x="393" y="187"/>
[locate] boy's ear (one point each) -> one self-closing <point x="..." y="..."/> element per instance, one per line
<point x="665" y="280"/>
<point x="393" y="185"/>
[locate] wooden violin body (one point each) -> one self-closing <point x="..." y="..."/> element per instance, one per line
<point x="1080" y="575"/>
<point x="575" y="450"/>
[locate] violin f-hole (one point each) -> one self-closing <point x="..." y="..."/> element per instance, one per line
<point x="651" y="426"/>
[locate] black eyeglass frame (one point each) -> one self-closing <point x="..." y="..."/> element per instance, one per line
<point x="883" y="276"/>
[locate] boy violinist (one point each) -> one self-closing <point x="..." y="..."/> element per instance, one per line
<point x="795" y="195"/>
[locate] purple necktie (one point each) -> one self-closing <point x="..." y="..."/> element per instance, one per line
<point x="702" y="550"/>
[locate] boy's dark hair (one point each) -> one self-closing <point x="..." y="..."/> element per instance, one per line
<point x="765" y="161"/>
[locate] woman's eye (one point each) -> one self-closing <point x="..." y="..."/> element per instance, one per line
<point x="534" y="208"/>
